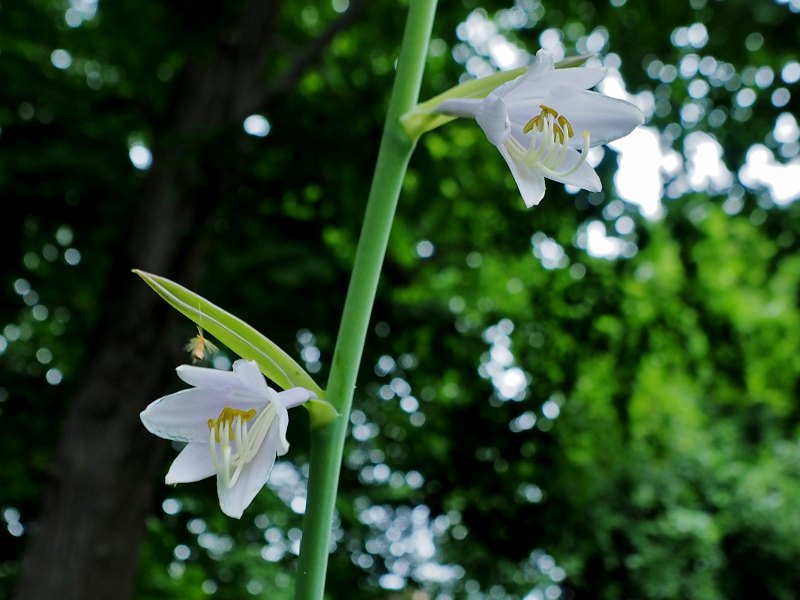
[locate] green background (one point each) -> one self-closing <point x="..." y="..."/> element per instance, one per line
<point x="653" y="450"/>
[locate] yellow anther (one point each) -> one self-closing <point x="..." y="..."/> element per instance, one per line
<point x="548" y="148"/>
<point x="558" y="133"/>
<point x="226" y="420"/>
<point x="235" y="438"/>
<point x="549" y="118"/>
<point x="529" y="125"/>
<point x="536" y="122"/>
<point x="550" y="112"/>
<point x="562" y="120"/>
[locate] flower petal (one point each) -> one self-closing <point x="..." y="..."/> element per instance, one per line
<point x="605" y="118"/>
<point x="183" y="416"/>
<point x="254" y="476"/>
<point x="529" y="89"/>
<point x="280" y="424"/>
<point x="203" y="377"/>
<point x="529" y="181"/>
<point x="294" y="397"/>
<point x="532" y="93"/>
<point x="584" y="177"/>
<point x="250" y="376"/>
<point x="578" y="78"/>
<point x="493" y="119"/>
<point x="527" y="85"/>
<point x="192" y="464"/>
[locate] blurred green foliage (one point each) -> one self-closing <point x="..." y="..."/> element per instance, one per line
<point x="527" y="425"/>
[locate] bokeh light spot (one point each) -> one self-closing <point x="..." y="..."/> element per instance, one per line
<point x="140" y="156"/>
<point x="61" y="59"/>
<point x="257" y="125"/>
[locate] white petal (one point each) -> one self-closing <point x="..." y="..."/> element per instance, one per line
<point x="529" y="181"/>
<point x="584" y="177"/>
<point x="192" y="464"/>
<point x="605" y="118"/>
<point x="533" y="93"/>
<point x="542" y="65"/>
<point x="493" y="119"/>
<point x="506" y="91"/>
<point x="294" y="397"/>
<point x="254" y="476"/>
<point x="522" y="84"/>
<point x="535" y="84"/>
<point x="183" y="416"/>
<point x="203" y="377"/>
<point x="579" y="78"/>
<point x="281" y="424"/>
<point x="250" y="376"/>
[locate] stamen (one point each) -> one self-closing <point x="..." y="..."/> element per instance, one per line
<point x="549" y="145"/>
<point x="550" y="112"/>
<point x="233" y="443"/>
<point x="534" y="122"/>
<point x="229" y="415"/>
<point x="558" y="133"/>
<point x="562" y="120"/>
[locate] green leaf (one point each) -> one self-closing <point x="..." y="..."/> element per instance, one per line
<point x="244" y="340"/>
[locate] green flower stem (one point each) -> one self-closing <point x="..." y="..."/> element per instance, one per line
<point x="327" y="441"/>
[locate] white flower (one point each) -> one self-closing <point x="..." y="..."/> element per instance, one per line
<point x="545" y="121"/>
<point x="234" y="426"/>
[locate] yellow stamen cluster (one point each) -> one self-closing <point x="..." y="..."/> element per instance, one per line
<point x="226" y="419"/>
<point x="549" y="144"/>
<point x="562" y="128"/>
<point x="234" y="443"/>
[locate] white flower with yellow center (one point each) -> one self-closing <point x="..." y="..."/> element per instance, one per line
<point x="234" y="425"/>
<point x="545" y="121"/>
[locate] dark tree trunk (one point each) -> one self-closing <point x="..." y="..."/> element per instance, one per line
<point x="86" y="541"/>
<point x="85" y="544"/>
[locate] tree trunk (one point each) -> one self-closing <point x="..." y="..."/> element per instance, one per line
<point x="85" y="544"/>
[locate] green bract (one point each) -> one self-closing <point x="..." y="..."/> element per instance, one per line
<point x="244" y="340"/>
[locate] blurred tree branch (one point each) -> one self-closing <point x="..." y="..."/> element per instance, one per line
<point x="289" y="79"/>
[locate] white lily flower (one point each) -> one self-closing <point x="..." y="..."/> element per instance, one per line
<point x="545" y="121"/>
<point x="234" y="425"/>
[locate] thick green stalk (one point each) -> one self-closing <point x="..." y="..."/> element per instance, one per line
<point x="327" y="441"/>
